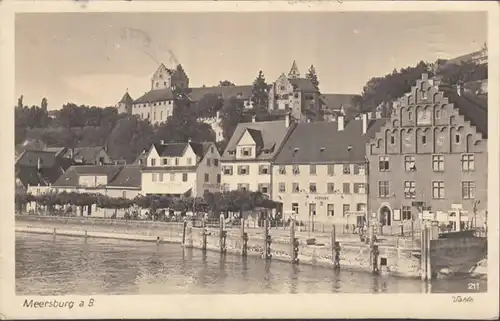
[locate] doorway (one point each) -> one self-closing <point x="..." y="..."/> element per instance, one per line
<point x="385" y="216"/>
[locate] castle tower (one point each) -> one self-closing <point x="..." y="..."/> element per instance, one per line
<point x="124" y="106"/>
<point x="294" y="71"/>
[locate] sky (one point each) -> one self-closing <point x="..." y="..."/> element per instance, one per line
<point x="94" y="58"/>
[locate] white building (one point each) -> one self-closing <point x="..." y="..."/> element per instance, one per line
<point x="246" y="162"/>
<point x="178" y="169"/>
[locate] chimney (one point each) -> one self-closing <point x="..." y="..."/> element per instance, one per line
<point x="72" y="153"/>
<point x="189" y="140"/>
<point x="253" y="119"/>
<point x="217" y="115"/>
<point x="162" y="142"/>
<point x="39" y="164"/>
<point x="340" y="120"/>
<point x="364" y="118"/>
<point x="460" y="89"/>
<point x="287" y="120"/>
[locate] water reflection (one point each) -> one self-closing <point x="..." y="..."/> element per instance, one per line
<point x="70" y="265"/>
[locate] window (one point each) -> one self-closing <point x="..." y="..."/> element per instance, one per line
<point x="243" y="170"/>
<point x="468" y="189"/>
<point x="263" y="169"/>
<point x="153" y="161"/>
<point x="160" y="177"/>
<point x="172" y="177"/>
<point x="165" y="161"/>
<point x="312" y="187"/>
<point x="410" y="163"/>
<point x="227" y="170"/>
<point x="124" y="194"/>
<point x="312" y="169"/>
<point x="383" y="189"/>
<point x="330" y="187"/>
<point x="216" y="162"/>
<point x="409" y="189"/>
<point x="383" y="163"/>
<point x="438" y="190"/>
<point x="424" y="94"/>
<point x="467" y="162"/>
<point x="296" y="170"/>
<point x="424" y="140"/>
<point x="154" y="177"/>
<point x="346" y="169"/>
<point x="295" y="188"/>
<point x="346" y="188"/>
<point x="207" y="177"/>
<point x="346" y="208"/>
<point x="312" y="209"/>
<point x="360" y="207"/>
<point x="437" y="114"/>
<point x="282" y="188"/>
<point x="438" y="163"/>
<point x="457" y="139"/>
<point x="296" y="95"/>
<point x="154" y="115"/>
<point x="212" y="149"/>
<point x="263" y="188"/>
<point x="287" y="106"/>
<point x="295" y="208"/>
<point x="359" y="169"/>
<point x="282" y="170"/>
<point x="242" y="187"/>
<point x="176" y="161"/>
<point x="359" y="188"/>
<point x="406" y="213"/>
<point x="393" y="140"/>
<point x="410" y="115"/>
<point x="331" y="170"/>
<point x="208" y="162"/>
<point x="247" y="151"/>
<point x="330" y="210"/>
<point x="184" y="177"/>
<point x="282" y="87"/>
<point x="218" y="178"/>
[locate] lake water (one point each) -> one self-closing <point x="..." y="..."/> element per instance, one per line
<point x="48" y="265"/>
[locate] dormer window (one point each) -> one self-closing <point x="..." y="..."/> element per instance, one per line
<point x="247" y="151"/>
<point x="282" y="170"/>
<point x="296" y="170"/>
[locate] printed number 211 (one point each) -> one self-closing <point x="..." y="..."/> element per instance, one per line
<point x="474" y="286"/>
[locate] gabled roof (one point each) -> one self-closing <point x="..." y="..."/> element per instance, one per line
<point x="270" y="133"/>
<point x="87" y="154"/>
<point x="59" y="151"/>
<point x="225" y="92"/>
<point x="126" y="99"/>
<point x="302" y="84"/>
<point x="71" y="177"/>
<point x="51" y="167"/>
<point x="294" y="70"/>
<point x="178" y="149"/>
<point x="129" y="176"/>
<point x="322" y="142"/>
<point x="30" y="158"/>
<point x="155" y="96"/>
<point x="34" y="177"/>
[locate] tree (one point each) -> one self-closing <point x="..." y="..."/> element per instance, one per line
<point x="208" y="106"/>
<point x="43" y="104"/>
<point x="232" y="113"/>
<point x="20" y="102"/>
<point x="260" y="91"/>
<point x="464" y="72"/>
<point x="226" y="83"/>
<point x="311" y="75"/>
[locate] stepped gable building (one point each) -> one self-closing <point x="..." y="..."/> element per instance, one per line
<point x="246" y="162"/>
<point x="430" y="156"/>
<point x="176" y="169"/>
<point x="321" y="170"/>
<point x="295" y="95"/>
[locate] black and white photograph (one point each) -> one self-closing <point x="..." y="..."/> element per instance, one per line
<point x="328" y="152"/>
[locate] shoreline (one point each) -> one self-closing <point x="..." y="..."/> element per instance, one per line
<point x="252" y="251"/>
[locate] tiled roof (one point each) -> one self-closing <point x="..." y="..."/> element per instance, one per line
<point x="322" y="142"/>
<point x="177" y="149"/>
<point x="30" y="158"/>
<point x="71" y="177"/>
<point x="126" y="99"/>
<point x="272" y="134"/>
<point x="87" y="154"/>
<point x="302" y="84"/>
<point x="155" y="95"/>
<point x="129" y="176"/>
<point x="225" y="92"/>
<point x="31" y="176"/>
<point x="474" y="108"/>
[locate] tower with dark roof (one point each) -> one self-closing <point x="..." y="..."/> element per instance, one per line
<point x="124" y="106"/>
<point x="294" y="71"/>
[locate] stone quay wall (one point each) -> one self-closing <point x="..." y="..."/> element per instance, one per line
<point x="354" y="256"/>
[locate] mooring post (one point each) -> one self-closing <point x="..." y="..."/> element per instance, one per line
<point x="244" y="238"/>
<point x="184" y="226"/>
<point x="333" y="237"/>
<point x="428" y="252"/>
<point x="204" y="234"/>
<point x="267" y="239"/>
<point x="423" y="254"/>
<point x="222" y="234"/>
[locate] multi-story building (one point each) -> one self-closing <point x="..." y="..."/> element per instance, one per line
<point x="431" y="155"/>
<point x="321" y="170"/>
<point x="178" y="169"/>
<point x="295" y="95"/>
<point x="246" y="162"/>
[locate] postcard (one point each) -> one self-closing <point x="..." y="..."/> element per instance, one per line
<point x="253" y="159"/>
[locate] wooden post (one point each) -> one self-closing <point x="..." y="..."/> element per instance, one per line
<point x="334" y="239"/>
<point x="428" y="252"/>
<point x="423" y="256"/>
<point x="184" y="226"/>
<point x="292" y="237"/>
<point x="204" y="235"/>
<point x="243" y="240"/>
<point x="221" y="232"/>
<point x="266" y="236"/>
